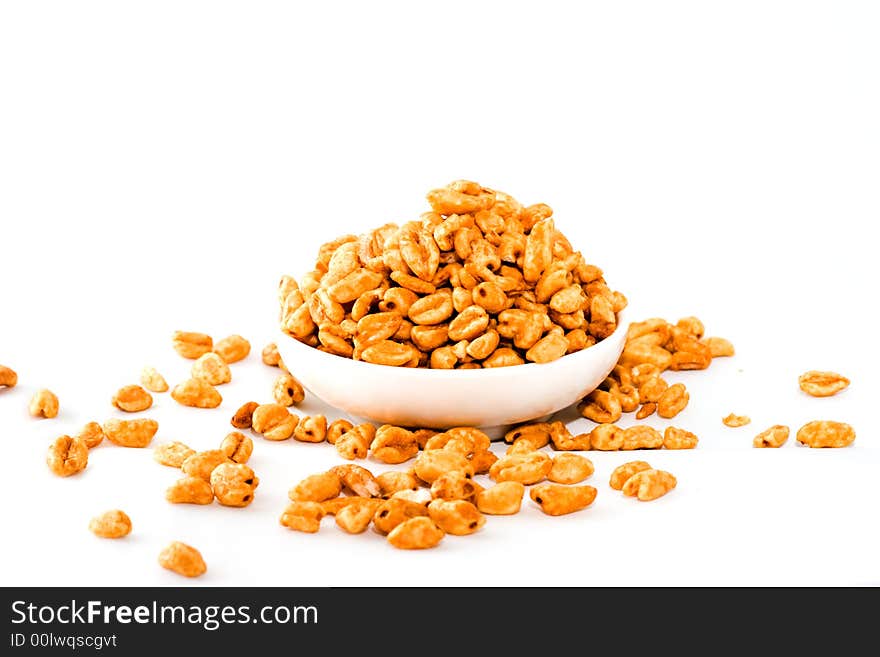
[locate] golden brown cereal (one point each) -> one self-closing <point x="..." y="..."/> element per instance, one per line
<point x="502" y="499"/>
<point x="775" y="436"/>
<point x="393" y="444"/>
<point x="237" y="447"/>
<point x="273" y="421"/>
<point x="303" y="516"/>
<point x="719" y="347"/>
<point x="333" y="505"/>
<point x="622" y="473"/>
<point x="570" y="469"/>
<point x="336" y="429"/>
<point x="67" y="456"/>
<point x="652" y="389"/>
<point x="826" y="433"/>
<point x="394" y="511"/>
<point x="563" y="439"/>
<point x="233" y="348"/>
<point x="44" y="403"/>
<point x="270" y="355"/>
<point x="111" y="524"/>
<point x="601" y="407"/>
<point x="211" y="369"/>
<point x="641" y="436"/>
<point x="234" y="484"/>
<point x="431" y="464"/>
<point x="202" y="464"/>
<point x="132" y="399"/>
<point x="355" y="443"/>
<point x="455" y="485"/>
<point x="316" y="488"/>
<point x="419" y="496"/>
<point x="736" y="420"/>
<point x="556" y="500"/>
<point x="153" y="381"/>
<point x="538" y="433"/>
<point x="192" y="345"/>
<point x="672" y="401"/>
<point x="649" y="484"/>
<point x="422" y="436"/>
<point x="646" y="410"/>
<point x="91" y="434"/>
<point x="287" y="391"/>
<point x="822" y="384"/>
<point x="358" y="480"/>
<point x="457" y="517"/>
<point x="130" y="433"/>
<point x="416" y="534"/>
<point x="525" y="468"/>
<point x="311" y="429"/>
<point x="355" y="517"/>
<point x="196" y="393"/>
<point x="183" y="560"/>
<point x="190" y="490"/>
<point x="244" y="415"/>
<point x="675" y="438"/>
<point x="482" y="462"/>
<point x="394" y="481"/>
<point x="8" y="377"/>
<point x="606" y="437"/>
<point x="172" y="454"/>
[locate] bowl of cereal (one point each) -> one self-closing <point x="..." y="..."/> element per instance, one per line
<point x="478" y="314"/>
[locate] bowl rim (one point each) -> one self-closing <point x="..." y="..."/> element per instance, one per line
<point x="459" y="375"/>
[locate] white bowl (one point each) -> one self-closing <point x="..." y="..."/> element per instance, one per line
<point x="491" y="399"/>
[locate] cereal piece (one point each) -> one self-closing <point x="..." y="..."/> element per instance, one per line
<point x="237" y="447"/>
<point x="556" y="500"/>
<point x="196" y="393"/>
<point x="525" y="468"/>
<point x="692" y="326"/>
<point x="234" y="484"/>
<point x="202" y="464"/>
<point x="622" y="473"/>
<point x="388" y="352"/>
<point x="641" y="436"/>
<point x="130" y="433"/>
<point x="394" y="481"/>
<point x="244" y="415"/>
<point x="91" y="434"/>
<point x="538" y="433"/>
<point x="67" y="456"/>
<point x="822" y="384"/>
<point x="675" y="438"/>
<point x="482" y="462"/>
<point x="274" y="422"/>
<point x="416" y="534"/>
<point x="826" y="433"/>
<point x="153" y="381"/>
<point x="652" y="389"/>
<point x="311" y="429"/>
<point x="456" y="517"/>
<point x="601" y="407"/>
<point x="287" y="391"/>
<point x="44" y="403"/>
<point x="649" y="484"/>
<point x="455" y="485"/>
<point x="392" y="512"/>
<point x="356" y="517"/>
<point x="431" y="464"/>
<point x="736" y="420"/>
<point x="358" y="480"/>
<point x="132" y="399"/>
<point x="606" y="437"/>
<point x="8" y="377"/>
<point x="233" y="348"/>
<point x="172" y="454"/>
<point x="336" y="429"/>
<point x="420" y="496"/>
<point x="192" y="345"/>
<point x="317" y="488"/>
<point x="502" y="499"/>
<point x="211" y="369"/>
<point x="719" y="347"/>
<point x="646" y="410"/>
<point x="111" y="524"/>
<point x="183" y="559"/>
<point x="570" y="469"/>
<point x="549" y="348"/>
<point x="355" y="443"/>
<point x="302" y="516"/>
<point x="422" y="436"/>
<point x="563" y="439"/>
<point x="393" y="445"/>
<point x="775" y="436"/>
<point x="270" y="355"/>
<point x="672" y="401"/>
<point x="190" y="490"/>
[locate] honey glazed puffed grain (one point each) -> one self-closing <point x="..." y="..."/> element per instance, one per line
<point x="479" y="281"/>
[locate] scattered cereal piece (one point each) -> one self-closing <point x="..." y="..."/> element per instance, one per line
<point x="192" y="345"/>
<point x="775" y="436"/>
<point x="557" y="500"/>
<point x="622" y="473"/>
<point x="111" y="524"/>
<point x="502" y="499"/>
<point x="570" y="469"/>
<point x="303" y="516"/>
<point x="196" y="393"/>
<point x="822" y="384"/>
<point x="44" y="403"/>
<point x="91" y="434"/>
<point x="675" y="438"/>
<point x="736" y="420"/>
<point x="211" y="369"/>
<point x="234" y="484"/>
<point x="183" y="560"/>
<point x="190" y="490"/>
<point x="132" y="399"/>
<point x="648" y="485"/>
<point x="416" y="534"/>
<point x="233" y="348"/>
<point x="172" y="454"/>
<point x="244" y="415"/>
<point x="153" y="381"/>
<point x="67" y="456"/>
<point x="130" y="433"/>
<point x="826" y="433"/>
<point x="270" y="355"/>
<point x="237" y="447"/>
<point x="8" y="377"/>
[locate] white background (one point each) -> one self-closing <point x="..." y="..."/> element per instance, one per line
<point x="162" y="163"/>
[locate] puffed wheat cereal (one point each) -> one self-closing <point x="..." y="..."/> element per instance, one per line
<point x="132" y="399"/>
<point x="244" y="415"/>
<point x="622" y="473"/>
<point x="111" y="524"/>
<point x="822" y="384"/>
<point x="183" y="560"/>
<point x="43" y="404"/>
<point x="826" y="433"/>
<point x="130" y="433"/>
<point x="416" y="534"/>
<point x="234" y="484"/>
<point x="67" y="456"/>
<point x="648" y="485"/>
<point x="153" y="381"/>
<point x="211" y="369"/>
<point x="8" y="377"/>
<point x="557" y="500"/>
<point x="91" y="434"/>
<point x="196" y="393"/>
<point x="172" y="454"/>
<point x="570" y="469"/>
<point x="502" y="499"/>
<point x="675" y="438"/>
<point x="303" y="517"/>
<point x="287" y="391"/>
<point x="192" y="345"/>
<point x="237" y="447"/>
<point x="775" y="436"/>
<point x="190" y="490"/>
<point x="233" y="348"/>
<point x="735" y="421"/>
